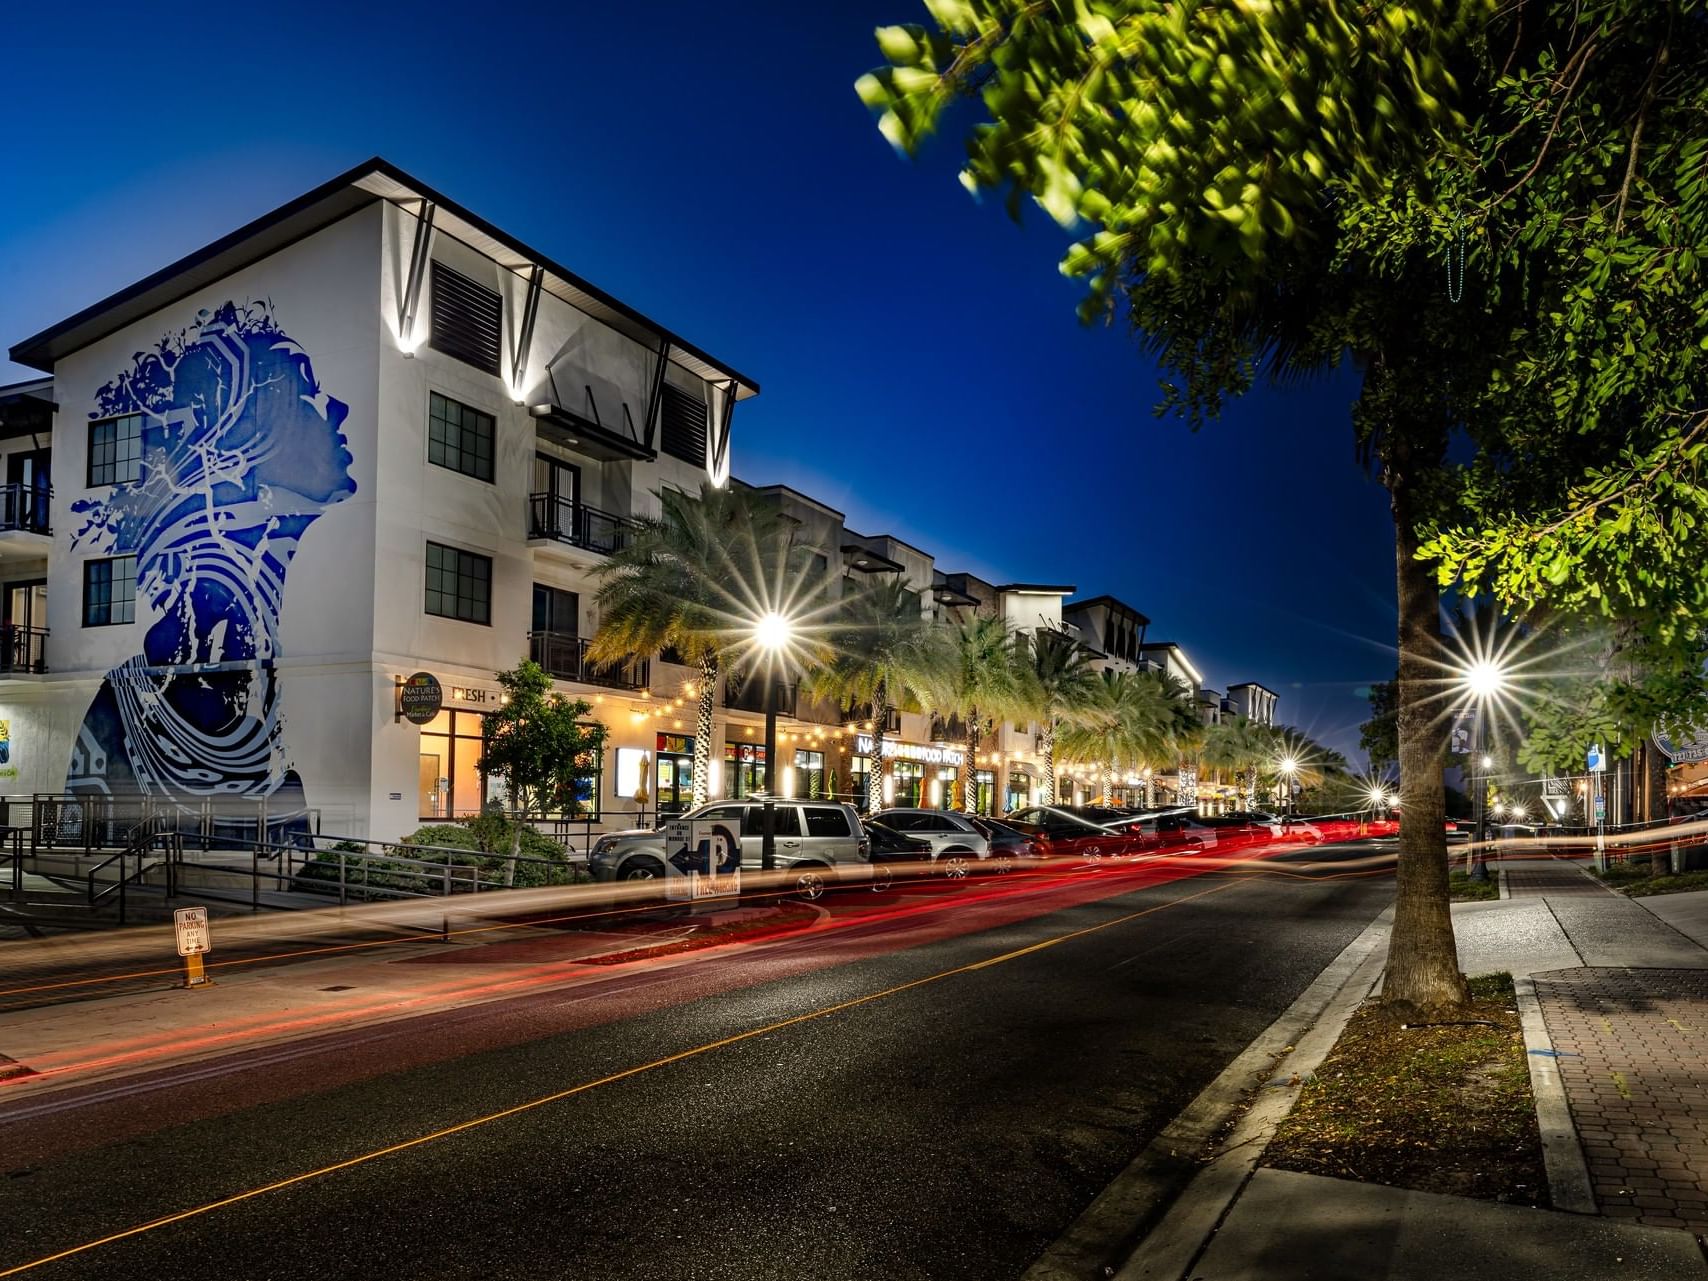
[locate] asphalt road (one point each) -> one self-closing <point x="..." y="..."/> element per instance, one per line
<point x="998" y="1065"/>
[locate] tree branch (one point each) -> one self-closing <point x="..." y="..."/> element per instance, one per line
<point x="1649" y="88"/>
<point x="1580" y="60"/>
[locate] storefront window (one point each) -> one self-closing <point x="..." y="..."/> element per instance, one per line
<point x="450" y="780"/>
<point x="674" y="790"/>
<point x="909" y="782"/>
<point x="1019" y="794"/>
<point x="809" y="775"/>
<point x="858" y="769"/>
<point x="744" y="769"/>
<point x="946" y="791"/>
<point x="984" y="785"/>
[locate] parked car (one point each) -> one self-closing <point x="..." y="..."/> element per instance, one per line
<point x="1067" y="835"/>
<point x="1008" y="845"/>
<point x="819" y="842"/>
<point x="893" y="852"/>
<point x="957" y="847"/>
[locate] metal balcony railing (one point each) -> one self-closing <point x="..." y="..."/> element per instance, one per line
<point x="564" y="657"/>
<point x="951" y="729"/>
<point x="22" y="649"/>
<point x="860" y="713"/>
<point x="578" y="524"/>
<point x="24" y="507"/>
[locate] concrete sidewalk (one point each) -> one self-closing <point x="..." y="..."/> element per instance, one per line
<point x="1623" y="997"/>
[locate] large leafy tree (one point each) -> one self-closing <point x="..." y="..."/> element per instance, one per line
<point x="1493" y="213"/>
<point x="1240" y="747"/>
<point x="1129" y="720"/>
<point x="694" y="579"/>
<point x="887" y="655"/>
<point x="1061" y="676"/>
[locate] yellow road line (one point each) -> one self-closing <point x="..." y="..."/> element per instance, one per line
<point x="560" y="1095"/>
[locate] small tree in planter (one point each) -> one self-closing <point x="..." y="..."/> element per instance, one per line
<point x="541" y="745"/>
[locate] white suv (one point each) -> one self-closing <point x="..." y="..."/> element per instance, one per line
<point x="819" y="842"/>
<point x="957" y="847"/>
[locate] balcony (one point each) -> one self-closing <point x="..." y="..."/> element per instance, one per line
<point x="747" y="694"/>
<point x="578" y="525"/>
<point x="24" y="508"/>
<point x="564" y="657"/>
<point x="23" y="650"/>
<point x="861" y="713"/>
<point x="948" y="730"/>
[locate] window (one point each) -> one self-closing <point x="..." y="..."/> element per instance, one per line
<point x="466" y="319"/>
<point x="459" y="584"/>
<point x="786" y="821"/>
<point x="721" y="812"/>
<point x="556" y="610"/>
<point x="459" y="437"/>
<point x="115" y="451"/>
<point x="683" y="417"/>
<point x="809" y="775"/>
<point x="109" y="591"/>
<point x="451" y="784"/>
<point x="826" y="820"/>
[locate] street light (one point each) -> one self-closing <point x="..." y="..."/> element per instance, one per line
<point x="1484" y="679"/>
<point x="773" y="633"/>
<point x="1289" y="767"/>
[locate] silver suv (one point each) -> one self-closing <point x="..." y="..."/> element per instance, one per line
<point x="957" y="847"/>
<point x="819" y="842"/>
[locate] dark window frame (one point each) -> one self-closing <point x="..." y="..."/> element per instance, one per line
<point x="105" y="604"/>
<point x="450" y="595"/>
<point x="118" y="462"/>
<point x="462" y="430"/>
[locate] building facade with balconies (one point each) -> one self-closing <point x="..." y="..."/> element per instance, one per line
<point x="366" y="436"/>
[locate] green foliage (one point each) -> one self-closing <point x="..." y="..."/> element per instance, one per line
<point x="988" y="674"/>
<point x="1175" y="130"/>
<point x="540" y="743"/>
<point x="1131" y="720"/>
<point x="885" y="651"/>
<point x="1060" y="673"/>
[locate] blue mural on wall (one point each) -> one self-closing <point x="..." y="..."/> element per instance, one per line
<point x="241" y="451"/>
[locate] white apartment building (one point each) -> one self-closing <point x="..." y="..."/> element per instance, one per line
<point x="366" y="437"/>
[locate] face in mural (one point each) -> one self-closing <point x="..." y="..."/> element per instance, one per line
<point x="240" y="452"/>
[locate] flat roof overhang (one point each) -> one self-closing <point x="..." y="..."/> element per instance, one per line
<point x="867" y="561"/>
<point x="375" y="179"/>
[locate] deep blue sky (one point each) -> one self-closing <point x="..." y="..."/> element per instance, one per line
<point x="921" y="366"/>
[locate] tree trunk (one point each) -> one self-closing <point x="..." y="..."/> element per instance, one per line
<point x="969" y="779"/>
<point x="703" y="729"/>
<point x="1423" y="963"/>
<point x="1049" y="760"/>
<point x="1653" y="790"/>
<point x="875" y="762"/>
<point x="1109" y="781"/>
<point x="515" y="841"/>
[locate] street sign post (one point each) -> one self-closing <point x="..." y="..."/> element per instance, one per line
<point x="195" y="940"/>
<point x="702" y="860"/>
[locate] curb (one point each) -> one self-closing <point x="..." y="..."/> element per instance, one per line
<point x="1111" y="1228"/>
<point x="1171" y="1249"/>
<point x="1569" y="1186"/>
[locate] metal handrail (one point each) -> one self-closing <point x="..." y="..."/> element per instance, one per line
<point x="566" y="520"/>
<point x="25" y="507"/>
<point x="563" y="655"/>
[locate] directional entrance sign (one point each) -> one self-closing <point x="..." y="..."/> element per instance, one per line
<point x="194" y="937"/>
<point x="702" y="859"/>
<point x="1596" y="759"/>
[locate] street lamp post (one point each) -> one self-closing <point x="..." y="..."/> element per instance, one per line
<point x="1484" y="679"/>
<point x="772" y="633"/>
<point x="1289" y="767"/>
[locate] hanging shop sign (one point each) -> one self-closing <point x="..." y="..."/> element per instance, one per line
<point x="896" y="749"/>
<point x="680" y="744"/>
<point x="1683" y="750"/>
<point x="420" y="698"/>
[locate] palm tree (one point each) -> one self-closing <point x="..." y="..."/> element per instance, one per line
<point x="693" y="579"/>
<point x="987" y="683"/>
<point x="1061" y="680"/>
<point x="1120" y="721"/>
<point x="1182" y="730"/>
<point x="1241" y="747"/>
<point x="886" y="654"/>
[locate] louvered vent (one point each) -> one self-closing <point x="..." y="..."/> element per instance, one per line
<point x="684" y="426"/>
<point x="467" y="319"/>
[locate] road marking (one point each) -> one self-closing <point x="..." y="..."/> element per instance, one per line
<point x="558" y="1096"/>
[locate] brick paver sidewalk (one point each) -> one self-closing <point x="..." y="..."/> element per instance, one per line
<point x="1633" y="1047"/>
